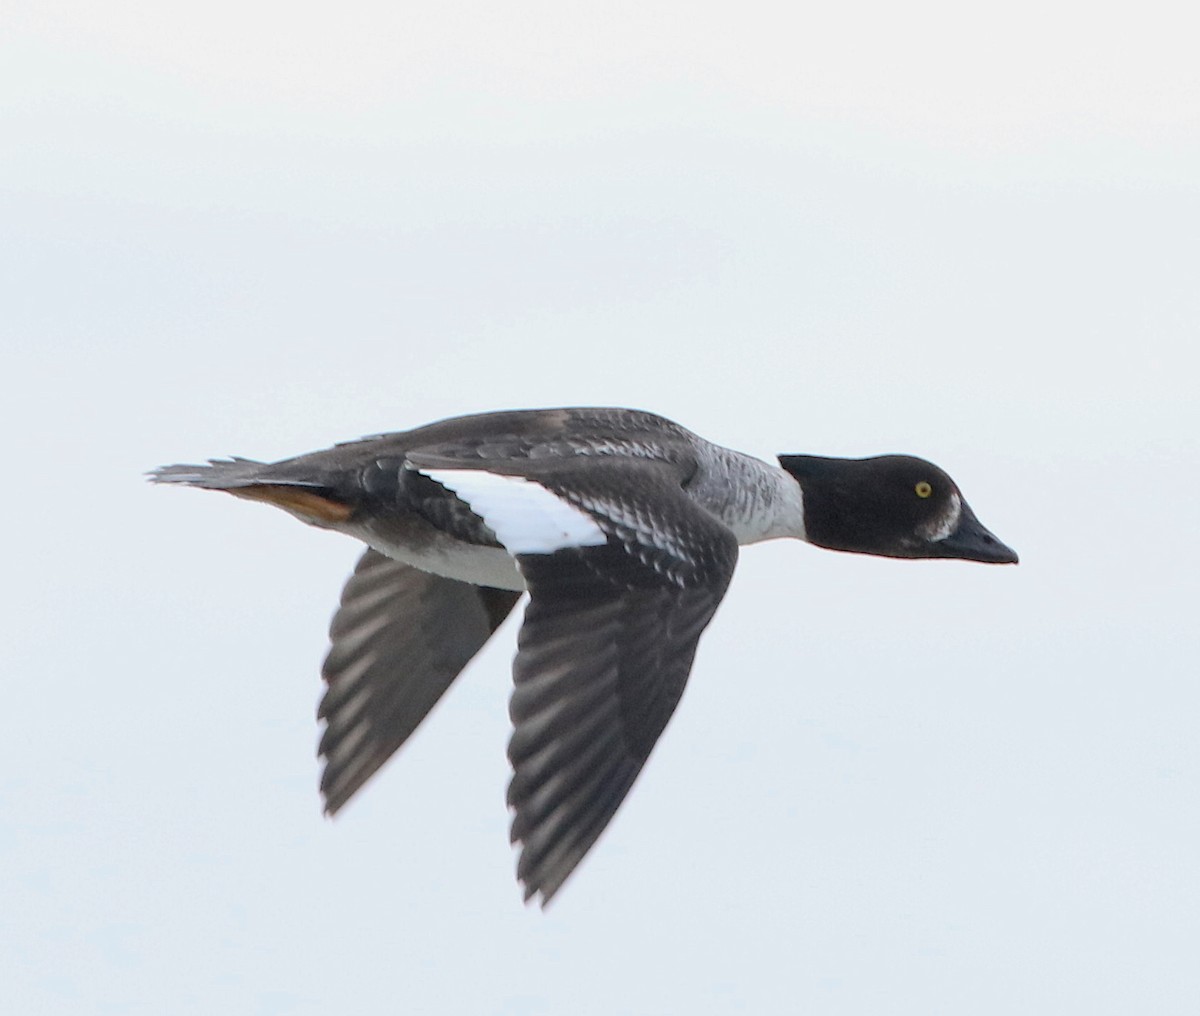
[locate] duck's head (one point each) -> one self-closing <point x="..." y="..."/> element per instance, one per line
<point x="890" y="506"/>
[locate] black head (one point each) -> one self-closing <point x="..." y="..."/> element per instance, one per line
<point x="890" y="506"/>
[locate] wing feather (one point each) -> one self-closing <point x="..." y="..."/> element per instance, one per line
<point x="399" y="639"/>
<point x="603" y="656"/>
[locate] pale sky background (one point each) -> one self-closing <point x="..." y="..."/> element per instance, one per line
<point x="969" y="232"/>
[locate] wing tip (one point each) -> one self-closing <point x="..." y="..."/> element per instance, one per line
<point x="541" y="893"/>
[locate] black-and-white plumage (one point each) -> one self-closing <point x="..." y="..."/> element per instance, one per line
<point x="623" y="528"/>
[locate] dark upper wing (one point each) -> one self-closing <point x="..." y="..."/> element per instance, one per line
<point x="603" y="656"/>
<point x="400" y="637"/>
<point x="508" y="437"/>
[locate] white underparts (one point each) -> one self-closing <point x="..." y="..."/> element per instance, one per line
<point x="525" y="516"/>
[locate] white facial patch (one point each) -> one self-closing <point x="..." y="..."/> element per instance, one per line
<point x="948" y="522"/>
<point x="525" y="516"/>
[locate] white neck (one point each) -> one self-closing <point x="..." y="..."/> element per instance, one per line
<point x="756" y="500"/>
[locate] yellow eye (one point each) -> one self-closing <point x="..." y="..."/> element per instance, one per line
<point x="923" y="489"/>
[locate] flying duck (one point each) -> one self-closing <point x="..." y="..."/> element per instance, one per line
<point x="622" y="526"/>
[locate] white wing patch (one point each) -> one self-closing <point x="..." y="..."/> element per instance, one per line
<point x="525" y="516"/>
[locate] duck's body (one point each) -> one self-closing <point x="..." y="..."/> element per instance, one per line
<point x="392" y="491"/>
<point x="621" y="525"/>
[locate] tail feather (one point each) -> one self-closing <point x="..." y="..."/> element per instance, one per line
<point x="224" y="474"/>
<point x="308" y="500"/>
